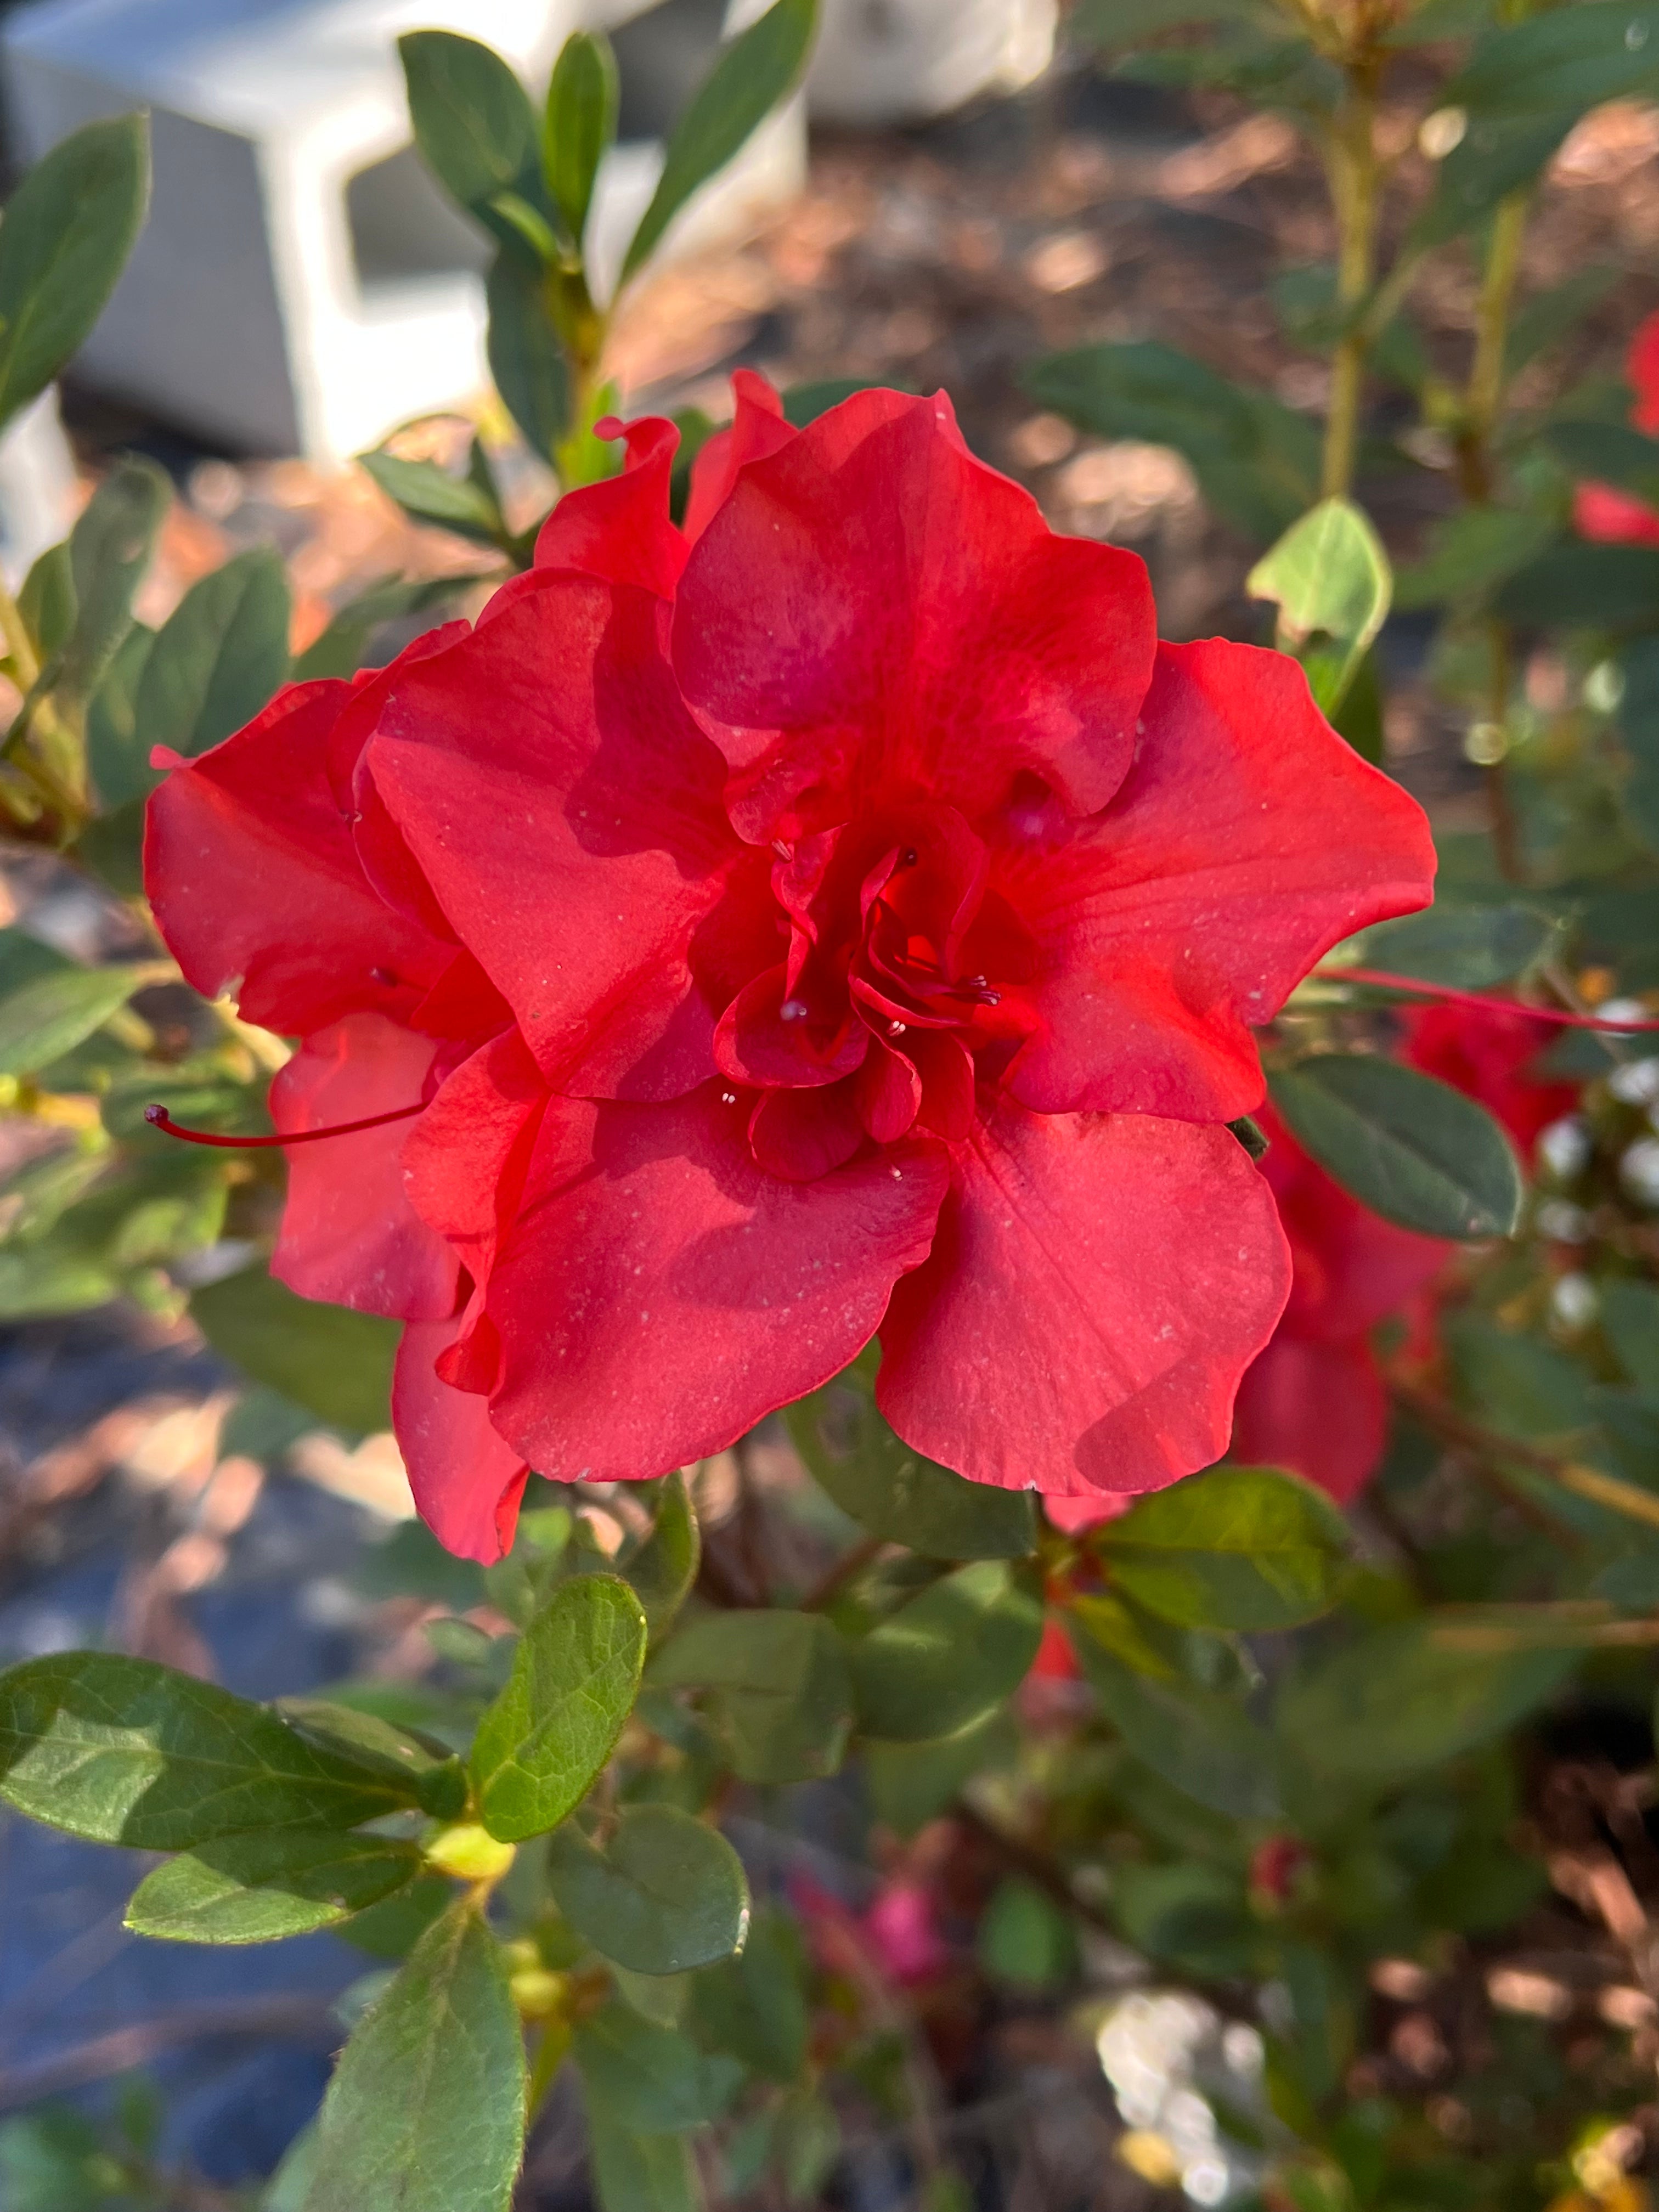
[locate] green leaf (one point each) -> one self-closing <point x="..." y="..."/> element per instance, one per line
<point x="110" y="548"/>
<point x="68" y="230"/>
<point x="1411" y="1148"/>
<point x="634" y="2173"/>
<point x="120" y="772"/>
<point x="430" y="493"/>
<point x="1567" y="58"/>
<point x="421" y="1766"/>
<point x="804" y="403"/>
<point x="1630" y="1315"/>
<point x="1497" y="154"/>
<point x="666" y="1893"/>
<point x="472" y="118"/>
<point x="122" y="1751"/>
<point x="911" y="1783"/>
<point x="46" y="601"/>
<point x="1194" y="1917"/>
<point x="1603" y="587"/>
<point x="1470" y="946"/>
<point x="527" y="357"/>
<point x="339" y="650"/>
<point x="892" y="1492"/>
<point x="218" y="657"/>
<point x="654" y="2080"/>
<point x="50" y="1016"/>
<point x="1328" y="576"/>
<point x="1548" y="317"/>
<point x="1399" y="1700"/>
<point x="258" y="1888"/>
<point x="806" y="2142"/>
<point x="43" y="1278"/>
<point x="1024" y="1938"/>
<point x="754" y="72"/>
<point x="335" y="1362"/>
<point x="782" y="1693"/>
<point x="665" y="1566"/>
<point x="426" y="2111"/>
<point x="1114" y="26"/>
<point x="754" y="2005"/>
<point x="1237" y="1548"/>
<point x="1203" y="1743"/>
<point x="1256" y="461"/>
<point x="543" y="1743"/>
<point x="948" y="1656"/>
<point x="1612" y="452"/>
<point x="578" y="124"/>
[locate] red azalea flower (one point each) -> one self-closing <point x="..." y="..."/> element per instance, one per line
<point x="1600" y="511"/>
<point x="1314" y="1400"/>
<point x="881" y="916"/>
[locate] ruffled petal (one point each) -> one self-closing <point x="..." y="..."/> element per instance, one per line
<point x="871" y="612"/>
<point x="620" y="529"/>
<point x="660" y="1294"/>
<point x="350" y="1235"/>
<point x="568" y="814"/>
<point x="1248" y="839"/>
<point x="757" y="429"/>
<point x="466" y="1481"/>
<point x="1097" y="1287"/>
<point x="257" y="886"/>
<point x="1317" y="1408"/>
<point x="464" y="1161"/>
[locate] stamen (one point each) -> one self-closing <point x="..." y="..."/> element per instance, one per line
<point x="781" y="848"/>
<point x="159" y="1118"/>
<point x="909" y="857"/>
<point x="896" y="1028"/>
<point x="728" y="1098"/>
<point x="792" y="1010"/>
<point x="1480" y="1001"/>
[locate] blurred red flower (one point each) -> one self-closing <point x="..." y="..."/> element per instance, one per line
<point x="1600" y="511"/>
<point x="1491" y="1058"/>
<point x="858" y="922"/>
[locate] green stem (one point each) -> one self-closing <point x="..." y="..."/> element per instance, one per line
<point x="1351" y="165"/>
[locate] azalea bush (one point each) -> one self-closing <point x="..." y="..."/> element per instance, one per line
<point x="798" y="969"/>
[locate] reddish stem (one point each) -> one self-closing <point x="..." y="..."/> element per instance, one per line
<point x="1490" y="1005"/>
<point x="159" y="1118"/>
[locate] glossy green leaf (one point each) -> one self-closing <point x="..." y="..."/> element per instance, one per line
<point x="1569" y="57"/>
<point x="472" y="118"/>
<point x="666" y="1893"/>
<point x="1411" y="1148"/>
<point x="578" y="124"/>
<point x="218" y="657"/>
<point x="541" y="1745"/>
<point x="781" y="1690"/>
<point x="335" y="1362"/>
<point x="120" y="772"/>
<point x="1400" y="1700"/>
<point x="50" y="1016"/>
<point x="259" y="1888"/>
<point x="650" y="2079"/>
<point x="110" y="549"/>
<point x="339" y="650"/>
<point x="1328" y="576"/>
<point x="665" y="1566"/>
<point x="894" y="1492"/>
<point x="946" y="1657"/>
<point x="1236" y="1548"/>
<point x="426" y="2111"/>
<point x="527" y="357"/>
<point x="433" y="1775"/>
<point x="122" y="1751"/>
<point x="754" y="72"/>
<point x="1497" y="156"/>
<point x="754" y="2005"/>
<point x="1256" y="461"/>
<point x="68" y="230"/>
<point x="1470" y="946"/>
<point x="430" y="493"/>
<point x="1204" y="1744"/>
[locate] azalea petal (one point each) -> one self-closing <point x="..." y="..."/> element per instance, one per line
<point x="620" y="528"/>
<point x="350" y="1235"/>
<point x="754" y="1042"/>
<point x="757" y="430"/>
<point x="873" y="610"/>
<point x="803" y="1134"/>
<point x="568" y="814"/>
<point x="660" y="1294"/>
<point x="464" y="1161"/>
<point x="466" y="1481"/>
<point x="1098" y="1285"/>
<point x="888" y="1091"/>
<point x="1247" y="839"/>
<point x="1318" y="1408"/>
<point x="257" y="814"/>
